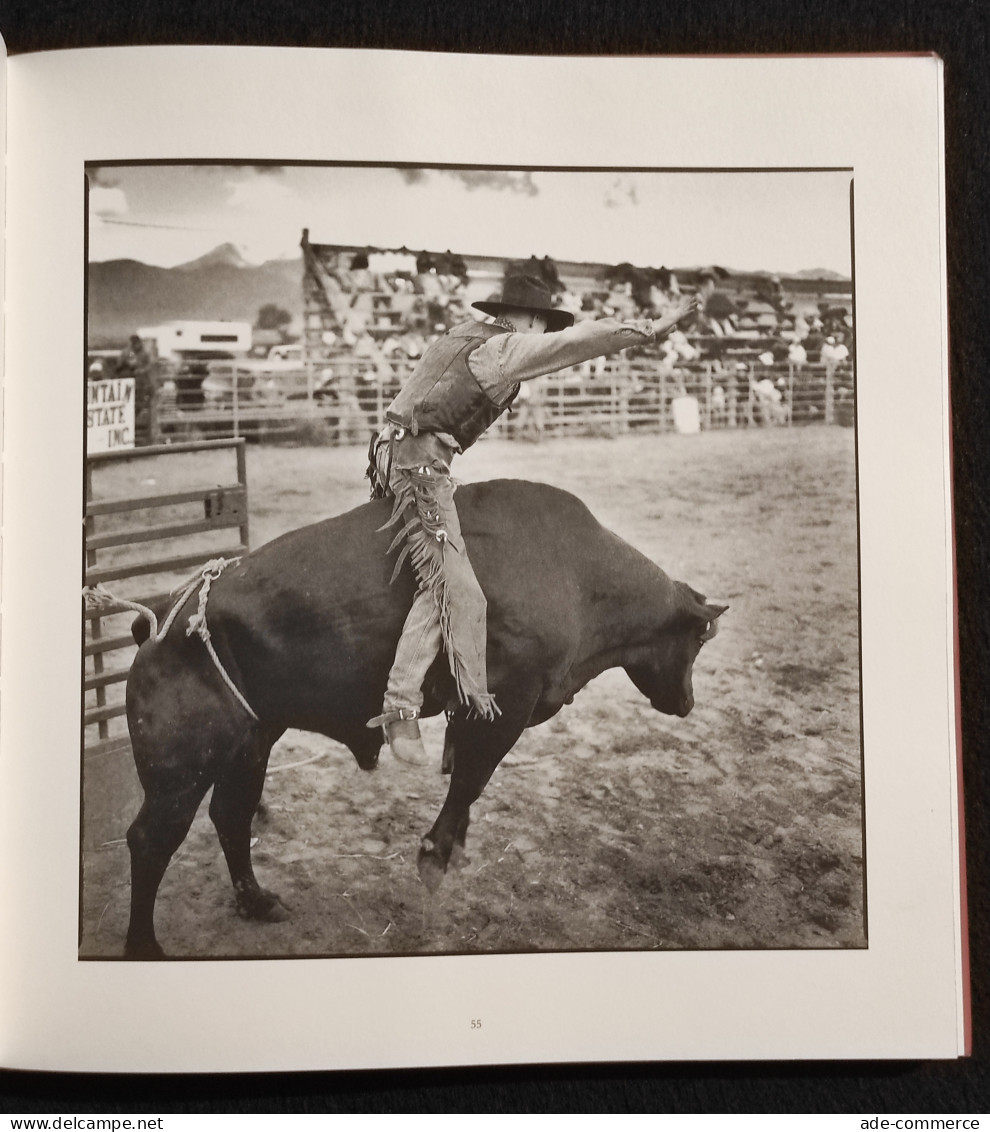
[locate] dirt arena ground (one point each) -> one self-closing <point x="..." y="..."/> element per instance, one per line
<point x="610" y="826"/>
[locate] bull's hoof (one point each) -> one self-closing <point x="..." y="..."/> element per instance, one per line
<point x="431" y="868"/>
<point x="367" y="760"/>
<point x="458" y="857"/>
<point x="149" y="949"/>
<point x="261" y="905"/>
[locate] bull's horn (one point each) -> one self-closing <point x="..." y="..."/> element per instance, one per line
<point x="714" y="612"/>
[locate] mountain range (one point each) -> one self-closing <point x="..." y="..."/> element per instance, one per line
<point x="125" y="294"/>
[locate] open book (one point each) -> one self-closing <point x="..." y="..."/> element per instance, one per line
<point x="775" y="874"/>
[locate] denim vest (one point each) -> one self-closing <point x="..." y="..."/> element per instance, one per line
<point x="443" y="395"/>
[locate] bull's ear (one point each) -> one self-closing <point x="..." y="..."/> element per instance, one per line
<point x="713" y="611"/>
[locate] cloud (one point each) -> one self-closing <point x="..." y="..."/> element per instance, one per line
<point x="263" y="215"/>
<point x="260" y="194"/>
<point x="107" y="201"/>
<point x="621" y="192"/>
<point x="103" y="177"/>
<point x="512" y="181"/>
<point x="413" y="176"/>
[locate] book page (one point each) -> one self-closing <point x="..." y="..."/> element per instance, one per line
<point x="3" y="198"/>
<point x="614" y="906"/>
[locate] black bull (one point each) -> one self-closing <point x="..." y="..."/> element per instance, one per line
<point x="306" y="627"/>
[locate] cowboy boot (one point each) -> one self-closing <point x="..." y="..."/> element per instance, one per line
<point x="400" y="727"/>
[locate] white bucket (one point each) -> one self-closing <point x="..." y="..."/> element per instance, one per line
<point x="687" y="418"/>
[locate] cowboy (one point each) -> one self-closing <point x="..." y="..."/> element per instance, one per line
<point x="463" y="383"/>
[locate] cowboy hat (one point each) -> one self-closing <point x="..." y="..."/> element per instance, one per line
<point x="526" y="293"/>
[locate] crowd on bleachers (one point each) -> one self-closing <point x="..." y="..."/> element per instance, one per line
<point x="387" y="318"/>
<point x="760" y="350"/>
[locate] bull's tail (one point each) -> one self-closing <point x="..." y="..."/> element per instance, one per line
<point x="144" y="626"/>
<point x="141" y="628"/>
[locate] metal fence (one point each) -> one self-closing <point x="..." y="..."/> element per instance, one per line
<point x="142" y="546"/>
<point x="345" y="402"/>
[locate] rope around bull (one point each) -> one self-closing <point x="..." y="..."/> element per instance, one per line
<point x="98" y="597"/>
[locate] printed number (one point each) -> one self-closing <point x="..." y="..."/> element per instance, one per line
<point x="475" y="1023"/>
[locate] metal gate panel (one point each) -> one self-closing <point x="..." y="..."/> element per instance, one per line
<point x="145" y="545"/>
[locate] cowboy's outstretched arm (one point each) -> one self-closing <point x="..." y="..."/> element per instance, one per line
<point x="502" y="362"/>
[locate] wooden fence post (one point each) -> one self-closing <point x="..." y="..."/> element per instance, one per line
<point x="624" y="395"/>
<point x="154" y="383"/>
<point x="96" y="627"/>
<point x="829" y="394"/>
<point x="662" y="401"/>
<point x="235" y="383"/>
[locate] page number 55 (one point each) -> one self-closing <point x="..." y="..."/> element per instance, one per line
<point x="475" y="1023"/>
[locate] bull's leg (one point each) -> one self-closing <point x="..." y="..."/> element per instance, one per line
<point x="156" y="833"/>
<point x="184" y="734"/>
<point x="235" y="799"/>
<point x="478" y="748"/>
<point x="458" y="854"/>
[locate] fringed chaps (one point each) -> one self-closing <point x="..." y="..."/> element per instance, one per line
<point x="430" y="536"/>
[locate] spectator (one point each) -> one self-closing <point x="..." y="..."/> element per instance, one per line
<point x="428" y="285"/>
<point x="352" y="424"/>
<point x="663" y="292"/>
<point x="550" y="275"/>
<point x="834" y="353"/>
<point x="718" y="406"/>
<point x="361" y="278"/>
<point x="135" y="362"/>
<point x="528" y="412"/>
<point x="621" y="303"/>
<point x="721" y="314"/>
<point x="368" y="350"/>
<point x="769" y="401"/>
<point x="458" y="268"/>
<point x="797" y="355"/>
<point x="682" y="347"/>
<point x="134" y="358"/>
<point x="568" y="301"/>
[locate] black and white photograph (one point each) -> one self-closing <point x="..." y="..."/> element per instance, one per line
<point x="584" y="675"/>
<point x="478" y="571"/>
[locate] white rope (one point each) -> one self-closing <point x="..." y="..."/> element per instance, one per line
<point x="197" y="624"/>
<point x="98" y="597"/>
<point x="184" y="591"/>
<point x="301" y="762"/>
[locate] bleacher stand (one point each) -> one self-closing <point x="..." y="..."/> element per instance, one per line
<point x="758" y="332"/>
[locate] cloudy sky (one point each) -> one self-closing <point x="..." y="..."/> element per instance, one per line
<point x="782" y="222"/>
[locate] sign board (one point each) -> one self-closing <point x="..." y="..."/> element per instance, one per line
<point x="110" y="414"/>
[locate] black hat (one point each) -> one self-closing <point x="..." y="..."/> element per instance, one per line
<point x="527" y="293"/>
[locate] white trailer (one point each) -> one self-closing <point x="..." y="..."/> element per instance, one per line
<point x="182" y="339"/>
